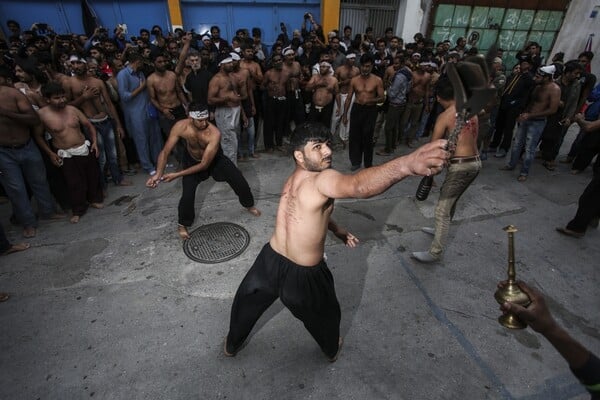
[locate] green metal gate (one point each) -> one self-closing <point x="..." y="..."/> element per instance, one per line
<point x="510" y="27"/>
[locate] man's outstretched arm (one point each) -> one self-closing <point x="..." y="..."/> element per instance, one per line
<point x="426" y="160"/>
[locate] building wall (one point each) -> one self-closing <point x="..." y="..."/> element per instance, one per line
<point x="576" y="29"/>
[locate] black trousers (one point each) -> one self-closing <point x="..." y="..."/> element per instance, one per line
<point x="589" y="203"/>
<point x="362" y="125"/>
<point x="222" y="170"/>
<point x="505" y="124"/>
<point x="552" y="137"/>
<point x="323" y="116"/>
<point x="308" y="292"/>
<point x="82" y="176"/>
<point x="275" y="120"/>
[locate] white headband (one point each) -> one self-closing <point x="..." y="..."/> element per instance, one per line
<point x="234" y="56"/>
<point x="226" y="60"/>
<point x="324" y="64"/>
<point x="76" y="58"/>
<point x="351" y="55"/>
<point x="288" y="51"/>
<point x="198" y="114"/>
<point x="205" y="37"/>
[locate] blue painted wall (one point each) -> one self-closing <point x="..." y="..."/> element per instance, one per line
<point x="65" y="15"/>
<point x="230" y="16"/>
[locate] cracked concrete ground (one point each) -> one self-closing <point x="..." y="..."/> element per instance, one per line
<point x="111" y="308"/>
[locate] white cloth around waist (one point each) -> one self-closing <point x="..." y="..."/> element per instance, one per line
<point x="82" y="150"/>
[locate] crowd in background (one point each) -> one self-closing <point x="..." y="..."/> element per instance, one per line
<point x="305" y="75"/>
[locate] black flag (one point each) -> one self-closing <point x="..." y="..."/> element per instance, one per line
<point x="89" y="18"/>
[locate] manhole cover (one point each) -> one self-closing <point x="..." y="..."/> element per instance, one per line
<point x="215" y="243"/>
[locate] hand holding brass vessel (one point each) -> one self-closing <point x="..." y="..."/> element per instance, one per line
<point x="511" y="292"/>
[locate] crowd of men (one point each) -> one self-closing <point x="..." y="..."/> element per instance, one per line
<point x="76" y="110"/>
<point x="106" y="104"/>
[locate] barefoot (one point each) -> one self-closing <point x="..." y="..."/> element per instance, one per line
<point x="183" y="232"/>
<point x="4" y="297"/>
<point x="98" y="206"/>
<point x="125" y="182"/>
<point x="29" y="232"/>
<point x="74" y="219"/>
<point x="15" y="248"/>
<point x="227" y="354"/>
<point x="254" y="211"/>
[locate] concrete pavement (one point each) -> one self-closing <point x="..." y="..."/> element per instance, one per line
<point x="111" y="308"/>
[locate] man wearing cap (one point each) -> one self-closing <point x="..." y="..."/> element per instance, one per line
<point x="202" y="158"/>
<point x="226" y="95"/>
<point x="89" y="94"/>
<point x="515" y="94"/>
<point x="325" y="89"/>
<point x="168" y="98"/>
<point x="543" y="102"/>
<point x="344" y="74"/>
<point x="368" y="89"/>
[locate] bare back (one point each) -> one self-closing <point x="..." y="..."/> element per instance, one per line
<point x="64" y="125"/>
<point x="466" y="145"/>
<point x="302" y="219"/>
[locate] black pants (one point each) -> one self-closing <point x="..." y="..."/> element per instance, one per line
<point x="323" y="115"/>
<point x="275" y="120"/>
<point x="308" y="292"/>
<point x="296" y="107"/>
<point x="552" y="137"/>
<point x="587" y="148"/>
<point x="82" y="176"/>
<point x="362" y="125"/>
<point x="505" y="124"/>
<point x="222" y="170"/>
<point x="589" y="203"/>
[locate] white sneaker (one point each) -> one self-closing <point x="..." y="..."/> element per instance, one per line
<point x="424" y="257"/>
<point x="427" y="230"/>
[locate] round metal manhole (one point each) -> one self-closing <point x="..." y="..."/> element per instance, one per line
<point x="215" y="243"/>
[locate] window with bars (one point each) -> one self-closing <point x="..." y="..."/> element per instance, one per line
<point x="510" y="28"/>
<point x="360" y="14"/>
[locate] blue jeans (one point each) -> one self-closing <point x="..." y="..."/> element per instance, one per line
<point x="105" y="136"/>
<point x="528" y="136"/>
<point x="18" y="166"/>
<point x="246" y="142"/>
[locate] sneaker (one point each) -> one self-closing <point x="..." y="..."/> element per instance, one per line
<point x="569" y="232"/>
<point x="152" y="173"/>
<point x="500" y="153"/>
<point x="424" y="257"/>
<point x="428" y="230"/>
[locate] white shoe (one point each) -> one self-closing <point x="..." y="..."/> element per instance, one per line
<point x="427" y="230"/>
<point x="424" y="257"/>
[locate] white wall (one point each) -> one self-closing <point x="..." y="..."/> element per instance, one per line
<point x="575" y="31"/>
<point x="410" y="16"/>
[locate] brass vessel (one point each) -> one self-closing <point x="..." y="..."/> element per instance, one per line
<point x="511" y="292"/>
